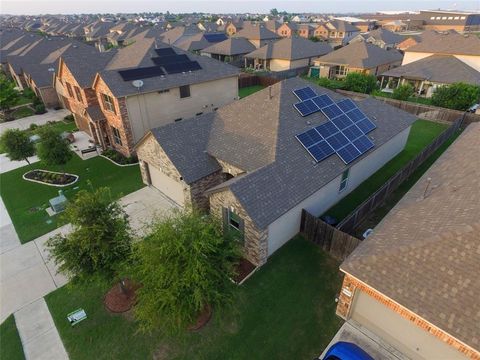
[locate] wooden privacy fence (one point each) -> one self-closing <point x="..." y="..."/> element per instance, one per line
<point x="427" y="112"/>
<point x="330" y="239"/>
<point x="246" y="80"/>
<point x="349" y="224"/>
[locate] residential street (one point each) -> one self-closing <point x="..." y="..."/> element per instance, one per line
<point x="24" y="123"/>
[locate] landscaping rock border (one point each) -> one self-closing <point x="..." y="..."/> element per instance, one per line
<point x="121" y="165"/>
<point x="53" y="172"/>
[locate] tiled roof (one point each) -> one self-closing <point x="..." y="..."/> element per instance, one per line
<point x="444" y="69"/>
<point x="425" y="254"/>
<point x="362" y="55"/>
<point x="292" y="48"/>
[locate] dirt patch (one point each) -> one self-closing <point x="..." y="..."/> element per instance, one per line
<point x="202" y="320"/>
<point x="242" y="270"/>
<point x="120" y="299"/>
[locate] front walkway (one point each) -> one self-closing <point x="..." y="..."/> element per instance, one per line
<point x="7" y="165"/>
<point x="24" y="123"/>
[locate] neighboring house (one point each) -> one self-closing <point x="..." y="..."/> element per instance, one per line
<point x="231" y="51"/>
<point x="409" y="41"/>
<point x="174" y="85"/>
<point x="272" y="25"/>
<point x="466" y="48"/>
<point x="11" y="40"/>
<point x="337" y="32"/>
<point x="414" y="281"/>
<point x="395" y="26"/>
<point x="287" y="29"/>
<point x="300" y="19"/>
<point x="257" y="34"/>
<point x="305" y="30"/>
<point x="383" y="38"/>
<point x="244" y="163"/>
<point x="364" y="25"/>
<point x="233" y="27"/>
<point x="429" y="73"/>
<point x="441" y="20"/>
<point x="286" y="54"/>
<point x="190" y="38"/>
<point x="361" y="57"/>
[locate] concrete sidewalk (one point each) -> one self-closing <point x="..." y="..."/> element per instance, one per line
<point x="8" y="235"/>
<point x="39" y="336"/>
<point x="24" y="123"/>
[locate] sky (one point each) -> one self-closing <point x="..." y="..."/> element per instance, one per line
<point x="30" y="7"/>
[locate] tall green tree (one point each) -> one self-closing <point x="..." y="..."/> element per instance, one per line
<point x="274" y="12"/>
<point x="184" y="266"/>
<point x="52" y="149"/>
<point x="457" y="96"/>
<point x="100" y="241"/>
<point x="8" y="96"/>
<point x="17" y="145"/>
<point x="359" y="82"/>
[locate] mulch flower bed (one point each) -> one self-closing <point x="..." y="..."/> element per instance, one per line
<point x="243" y="269"/>
<point x="202" y="320"/>
<point x="118" y="300"/>
<point x="49" y="177"/>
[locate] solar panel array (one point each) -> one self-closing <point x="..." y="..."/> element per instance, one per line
<point x="167" y="62"/>
<point x="215" y="37"/>
<point x="344" y="133"/>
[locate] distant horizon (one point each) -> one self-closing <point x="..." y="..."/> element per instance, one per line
<point x="61" y="7"/>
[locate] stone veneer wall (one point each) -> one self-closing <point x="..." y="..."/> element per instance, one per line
<point x="228" y="168"/>
<point x="256" y="240"/>
<point x="194" y="194"/>
<point x="351" y="285"/>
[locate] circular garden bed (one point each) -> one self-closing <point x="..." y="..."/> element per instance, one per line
<point x="120" y="299"/>
<point x="51" y="178"/>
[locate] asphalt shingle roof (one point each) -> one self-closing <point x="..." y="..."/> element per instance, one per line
<point x="387" y="36"/>
<point x="425" y="254"/>
<point x="451" y="43"/>
<point x="231" y="46"/>
<point x="292" y="48"/>
<point x="256" y="32"/>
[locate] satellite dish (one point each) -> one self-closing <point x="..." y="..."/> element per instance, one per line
<point x="137" y="83"/>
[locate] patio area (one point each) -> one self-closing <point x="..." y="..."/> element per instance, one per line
<point x="83" y="141"/>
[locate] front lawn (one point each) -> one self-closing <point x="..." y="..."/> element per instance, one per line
<point x="284" y="311"/>
<point x="22" y="112"/>
<point x="26" y="201"/>
<point x="10" y="343"/>
<point x="423" y="132"/>
<point x="249" y="90"/>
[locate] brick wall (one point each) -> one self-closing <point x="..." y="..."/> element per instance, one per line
<point x="345" y="301"/>
<point x="230" y="169"/>
<point x="256" y="240"/>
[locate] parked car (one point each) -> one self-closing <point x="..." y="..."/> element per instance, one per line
<point x="343" y="350"/>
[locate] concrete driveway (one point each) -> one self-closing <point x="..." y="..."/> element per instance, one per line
<point x="24" y="123"/>
<point x="27" y="274"/>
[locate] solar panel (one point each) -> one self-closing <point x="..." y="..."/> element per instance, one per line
<point x="165" y="51"/>
<point x="322" y="101"/>
<point x="321" y="151"/>
<point x="176" y="68"/>
<point x="337" y="141"/>
<point x="363" y="144"/>
<point x="302" y="109"/>
<point x="141" y="73"/>
<point x="327" y="129"/>
<point x="356" y="115"/>
<point x="309" y="138"/>
<point x="348" y="153"/>
<point x="346" y="105"/>
<point x="215" y="37"/>
<point x="366" y="125"/>
<point x="332" y="111"/>
<point x="352" y="132"/>
<point x="342" y="121"/>
<point x="170" y="59"/>
<point x="304" y="93"/>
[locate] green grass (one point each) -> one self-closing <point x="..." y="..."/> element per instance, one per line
<point x="22" y="112"/>
<point x="249" y="90"/>
<point x="423" y="132"/>
<point x="26" y="201"/>
<point x="413" y="99"/>
<point x="284" y="311"/>
<point x="10" y="344"/>
<point x="22" y="100"/>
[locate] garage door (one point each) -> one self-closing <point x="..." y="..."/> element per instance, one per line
<point x="170" y="187"/>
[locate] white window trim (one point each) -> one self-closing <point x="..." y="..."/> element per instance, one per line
<point x="344" y="182"/>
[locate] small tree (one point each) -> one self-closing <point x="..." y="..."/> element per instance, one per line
<point x="359" y="82"/>
<point x="184" y="266"/>
<point x="457" y="96"/>
<point x="8" y="96"/>
<point x="52" y="149"/>
<point x="17" y="145"/>
<point x="100" y="240"/>
<point x="274" y="12"/>
<point x="403" y="92"/>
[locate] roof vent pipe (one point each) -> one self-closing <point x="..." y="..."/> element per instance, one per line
<point x="270" y="92"/>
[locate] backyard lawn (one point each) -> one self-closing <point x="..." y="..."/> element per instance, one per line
<point x="26" y="201"/>
<point x="10" y="344"/>
<point x="22" y="112"/>
<point x="284" y="311"/>
<point x="249" y="90"/>
<point x="423" y="132"/>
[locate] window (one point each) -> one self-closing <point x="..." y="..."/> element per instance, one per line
<point x="457" y="17"/>
<point x="344" y="181"/>
<point x="432" y="18"/>
<point x="78" y="93"/>
<point x="450" y="18"/>
<point x="462" y="17"/>
<point x="341" y="70"/>
<point x="69" y="89"/>
<point x="444" y="18"/>
<point x="184" y="91"/>
<point x="234" y="225"/>
<point x="117" y="139"/>
<point x="108" y="103"/>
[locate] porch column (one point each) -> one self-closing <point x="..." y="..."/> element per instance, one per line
<point x="245" y="61"/>
<point x="420" y="89"/>
<point x="381" y="83"/>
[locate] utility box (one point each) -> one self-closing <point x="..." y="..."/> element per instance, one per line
<point x="58" y="203"/>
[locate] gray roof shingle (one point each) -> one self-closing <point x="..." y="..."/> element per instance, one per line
<point x="451" y="43"/>
<point x="231" y="46"/>
<point x="292" y="48"/>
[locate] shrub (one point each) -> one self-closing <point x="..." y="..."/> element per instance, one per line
<point x="362" y="83"/>
<point x="40" y="109"/>
<point x="119" y="158"/>
<point x="329" y="84"/>
<point x="457" y="96"/>
<point x="33" y="127"/>
<point x="29" y="93"/>
<point x="36" y="101"/>
<point x="69" y="118"/>
<point x="403" y="92"/>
